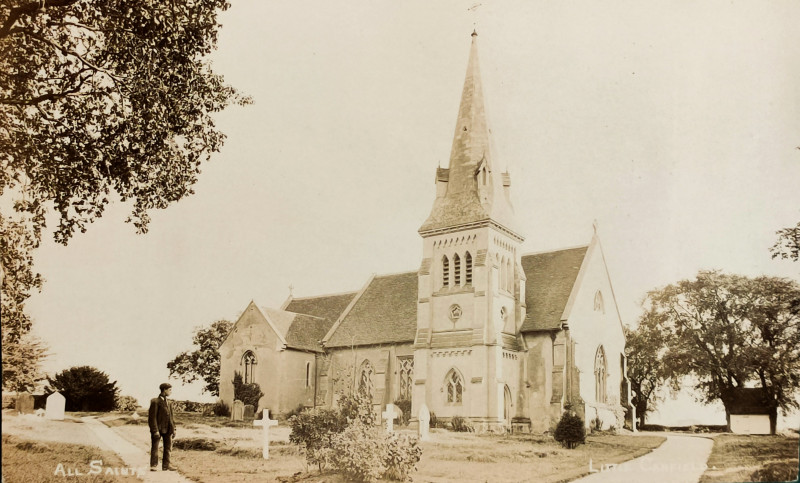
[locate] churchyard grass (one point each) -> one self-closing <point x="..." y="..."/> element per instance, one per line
<point x="448" y="457"/>
<point x="740" y="457"/>
<point x="38" y="461"/>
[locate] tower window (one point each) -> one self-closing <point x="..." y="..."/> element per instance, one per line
<point x="503" y="275"/>
<point x="308" y="374"/>
<point x="599" y="306"/>
<point x="455" y="387"/>
<point x="510" y="276"/>
<point x="456" y="270"/>
<point x="249" y="361"/>
<point x="445" y="271"/>
<point x="468" y="269"/>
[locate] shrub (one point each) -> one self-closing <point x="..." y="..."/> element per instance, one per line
<point x="294" y="412"/>
<point x="596" y="424"/>
<point x="221" y="408"/>
<point x="404" y="405"/>
<point x="402" y="455"/>
<point x="435" y="422"/>
<point x="126" y="403"/>
<point x="85" y="388"/>
<point x="461" y="425"/>
<point x="775" y="471"/>
<point x="195" y="444"/>
<point x="314" y="430"/>
<point x="357" y="406"/>
<point x="570" y="431"/>
<point x="361" y="452"/>
<point x="247" y="393"/>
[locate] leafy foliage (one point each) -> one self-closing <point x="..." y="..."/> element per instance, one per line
<point x="357" y="406"/>
<point x="203" y="362"/>
<point x="402" y="455"/>
<point x="360" y="452"/>
<point x="107" y="96"/>
<point x="404" y="405"/>
<point x="22" y="363"/>
<point x="221" y="408"/>
<point x="645" y="346"/>
<point x="728" y="331"/>
<point x="787" y="246"/>
<point x="461" y="425"/>
<point x="126" y="403"/>
<point x="570" y="431"/>
<point x="247" y="393"/>
<point x="314" y="430"/>
<point x="85" y="388"/>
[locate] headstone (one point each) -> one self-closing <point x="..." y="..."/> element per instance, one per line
<point x="389" y="416"/>
<point x="265" y="423"/>
<point x="24" y="403"/>
<point x="237" y="413"/>
<point x="135" y="416"/>
<point x="55" y="406"/>
<point x="249" y="411"/>
<point x="424" y="422"/>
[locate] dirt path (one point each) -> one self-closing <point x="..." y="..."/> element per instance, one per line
<point x="680" y="459"/>
<point x="130" y="454"/>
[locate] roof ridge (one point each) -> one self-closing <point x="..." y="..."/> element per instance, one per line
<point x="405" y="272"/>
<point x="336" y="294"/>
<point x="541" y="252"/>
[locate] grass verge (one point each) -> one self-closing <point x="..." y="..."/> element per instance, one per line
<point x="37" y="462"/>
<point x="741" y="457"/>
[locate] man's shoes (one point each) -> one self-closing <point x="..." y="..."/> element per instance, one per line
<point x="170" y="468"/>
<point x="154" y="468"/>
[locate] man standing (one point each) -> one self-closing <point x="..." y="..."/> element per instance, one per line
<point x="162" y="425"/>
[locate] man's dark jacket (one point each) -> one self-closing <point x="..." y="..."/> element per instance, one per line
<point x="160" y="417"/>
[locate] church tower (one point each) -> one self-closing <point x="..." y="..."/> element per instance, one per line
<point x="470" y="307"/>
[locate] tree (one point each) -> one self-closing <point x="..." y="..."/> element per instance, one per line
<point x="204" y="361"/>
<point x="99" y="98"/>
<point x="644" y="348"/>
<point x="85" y="388"/>
<point x="249" y="393"/>
<point x="22" y="363"/>
<point x="788" y="243"/>
<point x="730" y="332"/>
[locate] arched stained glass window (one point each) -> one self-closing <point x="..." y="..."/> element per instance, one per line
<point x="454" y="386"/>
<point x="249" y="362"/>
<point x="600" y="374"/>
<point x="365" y="379"/>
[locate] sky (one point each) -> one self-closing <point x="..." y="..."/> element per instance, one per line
<point x="674" y="124"/>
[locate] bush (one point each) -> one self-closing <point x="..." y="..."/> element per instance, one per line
<point x="357" y="406"/>
<point x="402" y="455"/>
<point x="314" y="431"/>
<point x="195" y="444"/>
<point x="404" y="405"/>
<point x="435" y="422"/>
<point x="360" y="452"/>
<point x="247" y="393"/>
<point x="294" y="412"/>
<point x="776" y="471"/>
<point x="126" y="403"/>
<point x="221" y="408"/>
<point x="570" y="431"/>
<point x="461" y="425"/>
<point x="85" y="388"/>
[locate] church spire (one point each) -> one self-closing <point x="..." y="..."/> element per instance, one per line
<point x="470" y="190"/>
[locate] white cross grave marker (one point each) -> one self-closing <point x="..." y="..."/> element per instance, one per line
<point x="265" y="423"/>
<point x="424" y="423"/>
<point x="389" y="416"/>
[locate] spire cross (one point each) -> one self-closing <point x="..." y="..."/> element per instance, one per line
<point x="291" y="290"/>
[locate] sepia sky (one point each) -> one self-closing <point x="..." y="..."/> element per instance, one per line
<point x="674" y="124"/>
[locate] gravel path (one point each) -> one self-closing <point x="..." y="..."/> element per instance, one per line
<point x="680" y="459"/>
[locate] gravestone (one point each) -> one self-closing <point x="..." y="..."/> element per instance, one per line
<point x="54" y="408"/>
<point x="24" y="403"/>
<point x="135" y="416"/>
<point x="249" y="411"/>
<point x="237" y="413"/>
<point x="389" y="416"/>
<point x="265" y="423"/>
<point x="424" y="423"/>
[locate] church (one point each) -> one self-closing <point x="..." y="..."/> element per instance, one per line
<point x="480" y="330"/>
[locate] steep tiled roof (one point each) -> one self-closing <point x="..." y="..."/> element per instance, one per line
<point x="313" y="318"/>
<point x="384" y="312"/>
<point x="551" y="276"/>
<point x="328" y="307"/>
